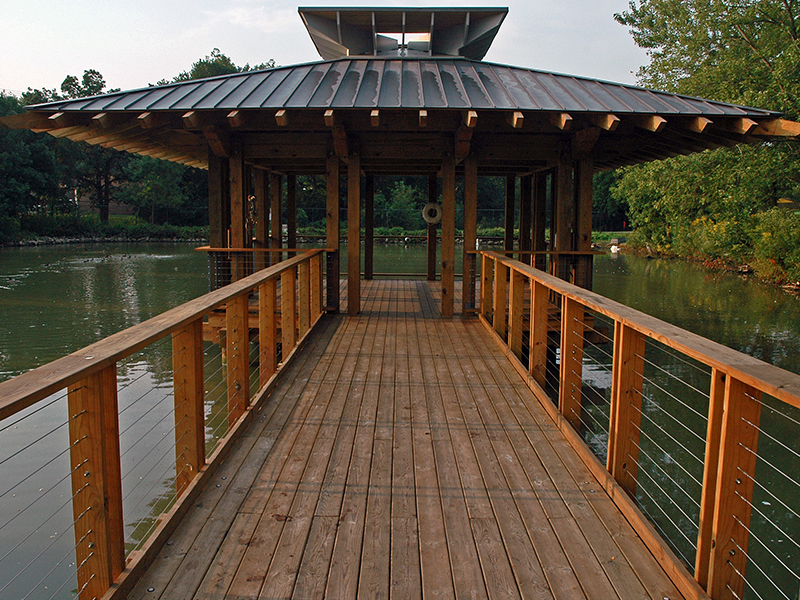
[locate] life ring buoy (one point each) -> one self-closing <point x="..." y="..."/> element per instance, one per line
<point x="432" y="213"/>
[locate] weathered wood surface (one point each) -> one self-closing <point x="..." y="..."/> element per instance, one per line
<point x="402" y="456"/>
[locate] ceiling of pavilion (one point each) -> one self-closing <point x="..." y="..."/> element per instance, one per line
<point x="402" y="110"/>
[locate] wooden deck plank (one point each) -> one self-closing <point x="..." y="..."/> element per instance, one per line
<point x="403" y="457"/>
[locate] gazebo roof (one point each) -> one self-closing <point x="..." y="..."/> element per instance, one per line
<point x="403" y="109"/>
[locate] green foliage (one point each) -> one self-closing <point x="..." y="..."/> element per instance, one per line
<point x="711" y="204"/>
<point x="216" y="64"/>
<point x="777" y="242"/>
<point x="609" y="213"/>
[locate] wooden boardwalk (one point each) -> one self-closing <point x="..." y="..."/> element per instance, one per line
<point x="402" y="456"/>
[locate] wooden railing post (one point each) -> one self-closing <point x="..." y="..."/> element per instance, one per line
<point x="237" y="344"/>
<point x="189" y="395"/>
<point x="570" y="389"/>
<point x="96" y="482"/>
<point x="487" y="275"/>
<point x="515" y="309"/>
<point x="317" y="306"/>
<point x="626" y="406"/>
<point x="304" y="297"/>
<point x="288" y="311"/>
<point x="537" y="365"/>
<point x="713" y="437"/>
<point x="500" y="300"/>
<point x="267" y="330"/>
<point x="734" y="493"/>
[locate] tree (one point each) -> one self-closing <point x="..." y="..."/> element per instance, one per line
<point x="216" y="64"/>
<point x="739" y="51"/>
<point x="28" y="169"/>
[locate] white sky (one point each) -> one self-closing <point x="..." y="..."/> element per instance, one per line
<point x="137" y="42"/>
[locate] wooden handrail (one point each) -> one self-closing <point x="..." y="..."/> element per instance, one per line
<point x="773" y="380"/>
<point x="737" y="385"/>
<point x="28" y="388"/>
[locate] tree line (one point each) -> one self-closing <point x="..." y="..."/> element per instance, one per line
<point x="739" y="204"/>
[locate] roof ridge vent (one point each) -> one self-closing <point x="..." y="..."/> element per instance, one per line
<point x="339" y="32"/>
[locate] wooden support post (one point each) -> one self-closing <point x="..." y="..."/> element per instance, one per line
<point x="500" y="298"/>
<point x="433" y="197"/>
<point x="317" y="304"/>
<point x="354" y="234"/>
<point x="569" y="400"/>
<point x="511" y="193"/>
<point x="275" y="210"/>
<point x="516" y="305"/>
<point x="96" y="482"/>
<point x="261" y="192"/>
<point x="369" y="227"/>
<point x="470" y="232"/>
<point x="626" y="406"/>
<point x="487" y="285"/>
<point x="565" y="210"/>
<point x="584" y="184"/>
<point x="237" y="341"/>
<point x="217" y="222"/>
<point x="332" y="229"/>
<point x="267" y="330"/>
<point x="189" y="396"/>
<point x="238" y="208"/>
<point x="288" y="311"/>
<point x="707" y="507"/>
<point x="537" y="366"/>
<point x="539" y="218"/>
<point x="303" y="298"/>
<point x="448" y="234"/>
<point x="734" y="493"/>
<point x="291" y="212"/>
<point x="525" y="217"/>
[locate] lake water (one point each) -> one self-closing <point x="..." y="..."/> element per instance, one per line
<point x="55" y="300"/>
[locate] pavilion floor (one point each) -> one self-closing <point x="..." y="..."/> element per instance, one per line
<point x="402" y="456"/>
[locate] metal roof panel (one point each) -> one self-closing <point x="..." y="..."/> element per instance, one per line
<point x="371" y="81"/>
<point x="347" y="92"/>
<point x="453" y="86"/>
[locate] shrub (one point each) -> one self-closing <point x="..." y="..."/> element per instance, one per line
<point x="776" y="242"/>
<point x="9" y="230"/>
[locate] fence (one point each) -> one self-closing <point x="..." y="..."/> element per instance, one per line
<point x="103" y="450"/>
<point x="704" y="440"/>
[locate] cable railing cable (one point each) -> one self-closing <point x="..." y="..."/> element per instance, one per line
<point x="754" y="563"/>
<point x="669" y="394"/>
<point x="150" y="430"/>
<point x="755" y="537"/>
<point x="775" y="498"/>
<point x="33" y="412"/>
<point x="657" y="525"/>
<point x="148" y="455"/>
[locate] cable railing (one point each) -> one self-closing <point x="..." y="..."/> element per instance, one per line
<point x="704" y="441"/>
<point x="102" y="451"/>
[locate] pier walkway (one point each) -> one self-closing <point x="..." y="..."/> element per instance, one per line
<point x="403" y="456"/>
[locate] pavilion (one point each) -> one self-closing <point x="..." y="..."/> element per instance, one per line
<point x="399" y="92"/>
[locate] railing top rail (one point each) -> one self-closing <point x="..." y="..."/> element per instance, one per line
<point x="541" y="252"/>
<point x="210" y="249"/>
<point x="773" y="380"/>
<point x="26" y="389"/>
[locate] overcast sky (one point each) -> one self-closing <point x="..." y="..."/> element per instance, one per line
<point x="134" y="43"/>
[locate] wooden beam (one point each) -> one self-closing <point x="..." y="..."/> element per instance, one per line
<point x="471" y="118"/>
<point x="742" y="125"/>
<point x="276" y="213"/>
<point x="354" y="234"/>
<point x="508" y="225"/>
<point x="60" y="120"/>
<point x="217" y="141"/>
<point x="330" y="118"/>
<point x="777" y="128"/>
<point x="236" y="118"/>
<point x="433" y="197"/>
<point x="291" y="212"/>
<point x="149" y="120"/>
<point x="192" y="120"/>
<point x="339" y="133"/>
<point x="652" y="123"/>
<point x="584" y="142"/>
<point x="369" y="227"/>
<point x="423" y="118"/>
<point x="332" y="229"/>
<point x="375" y="118"/>
<point x="282" y="118"/>
<point x="448" y="234"/>
<point x="698" y="124"/>
<point x="189" y="394"/>
<point x="463" y="141"/>
<point x="607" y="121"/>
<point x="470" y="232"/>
<point x="562" y="121"/>
<point x="516" y="119"/>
